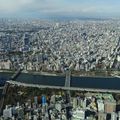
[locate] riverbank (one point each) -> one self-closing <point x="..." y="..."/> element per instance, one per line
<point x="96" y="82"/>
<point x="98" y="73"/>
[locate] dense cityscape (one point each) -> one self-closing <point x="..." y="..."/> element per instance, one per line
<point x="50" y="104"/>
<point x="59" y="59"/>
<point x="41" y="45"/>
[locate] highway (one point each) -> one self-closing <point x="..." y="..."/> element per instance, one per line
<point x="63" y="88"/>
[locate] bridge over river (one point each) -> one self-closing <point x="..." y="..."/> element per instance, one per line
<point x="103" y="84"/>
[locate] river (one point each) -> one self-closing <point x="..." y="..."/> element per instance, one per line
<point x="112" y="83"/>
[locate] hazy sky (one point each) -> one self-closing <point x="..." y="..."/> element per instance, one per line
<point x="44" y="8"/>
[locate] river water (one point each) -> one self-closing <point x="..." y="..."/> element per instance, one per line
<point x="78" y="82"/>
